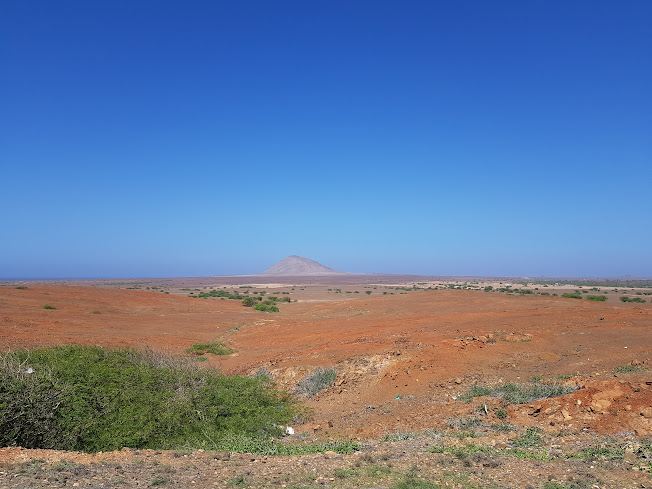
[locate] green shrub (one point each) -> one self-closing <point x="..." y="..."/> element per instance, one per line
<point x="48" y="306"/>
<point x="597" y="298"/>
<point x="317" y="381"/>
<point x="530" y="439"/>
<point x="623" y="369"/>
<point x="500" y="413"/>
<point x="266" y="307"/>
<point x="632" y="299"/>
<point x="569" y="295"/>
<point x="249" y="301"/>
<point x="93" y="399"/>
<point x="214" y="348"/>
<point x="21" y="287"/>
<point x="218" y="293"/>
<point x="518" y="393"/>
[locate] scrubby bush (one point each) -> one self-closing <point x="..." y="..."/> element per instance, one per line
<point x="250" y="301"/>
<point x="632" y="299"/>
<point x="89" y="398"/>
<point x="518" y="393"/>
<point x="318" y="380"/>
<point x="266" y="306"/>
<point x="214" y="348"/>
<point x="569" y="295"/>
<point x="597" y="298"/>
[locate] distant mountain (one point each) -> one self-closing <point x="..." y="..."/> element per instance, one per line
<point x="298" y="265"/>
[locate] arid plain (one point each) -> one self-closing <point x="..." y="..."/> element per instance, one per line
<point x="406" y="350"/>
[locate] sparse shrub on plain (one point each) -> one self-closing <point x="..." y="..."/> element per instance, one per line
<point x="318" y="380"/>
<point x="632" y="299"/>
<point x="48" y="306"/>
<point x="250" y="301"/>
<point x="597" y="298"/>
<point x="266" y="306"/>
<point x="214" y="348"/>
<point x="515" y="393"/>
<point x="623" y="369"/>
<point x="569" y="295"/>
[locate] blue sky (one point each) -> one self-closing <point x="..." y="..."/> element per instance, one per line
<point x="154" y="139"/>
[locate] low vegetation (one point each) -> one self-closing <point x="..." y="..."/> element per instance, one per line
<point x="214" y="348"/>
<point x="597" y="298"/>
<point x="267" y="306"/>
<point x="515" y="393"/>
<point x="572" y="295"/>
<point x="93" y="399"/>
<point x="623" y="369"/>
<point x="318" y="380"/>
<point x="48" y="306"/>
<point x="632" y="299"/>
<point x="218" y="293"/>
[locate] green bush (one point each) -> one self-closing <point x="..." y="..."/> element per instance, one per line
<point x="218" y="293"/>
<point x="214" y="348"/>
<point x="623" y="369"/>
<point x="597" y="298"/>
<point x="518" y="393"/>
<point x="569" y="295"/>
<point x="266" y="306"/>
<point x="317" y="381"/>
<point x="250" y="301"/>
<point x="48" y="306"/>
<point x="632" y="299"/>
<point x="93" y="399"/>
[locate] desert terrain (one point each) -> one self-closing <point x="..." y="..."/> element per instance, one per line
<point x="406" y="351"/>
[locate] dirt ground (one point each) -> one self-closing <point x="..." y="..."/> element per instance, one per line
<point x="404" y="358"/>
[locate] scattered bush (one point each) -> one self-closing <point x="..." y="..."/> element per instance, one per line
<point x="48" y="306"/>
<point x="597" y="298"/>
<point x="214" y="348"/>
<point x="500" y="413"/>
<point x="623" y="369"/>
<point x="530" y="439"/>
<point x="90" y="399"/>
<point x="569" y="295"/>
<point x="218" y="293"/>
<point x="250" y="301"/>
<point x="317" y="381"/>
<point x="632" y="299"/>
<point x="519" y="393"/>
<point x="266" y="306"/>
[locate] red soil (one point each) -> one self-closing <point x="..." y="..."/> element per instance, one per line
<point x="423" y="347"/>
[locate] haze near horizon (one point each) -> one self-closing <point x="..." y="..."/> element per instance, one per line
<point x="474" y="138"/>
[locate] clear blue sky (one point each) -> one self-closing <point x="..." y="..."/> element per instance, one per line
<point x="158" y="138"/>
